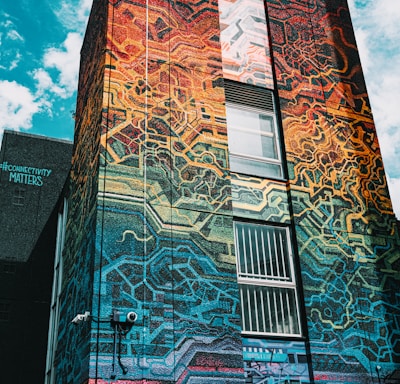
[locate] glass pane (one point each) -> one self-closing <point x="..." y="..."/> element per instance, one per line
<point x="246" y="129"/>
<point x="254" y="167"/>
<point x="245" y="142"/>
<point x="266" y="123"/>
<point x="268" y="147"/>
<point x="252" y="135"/>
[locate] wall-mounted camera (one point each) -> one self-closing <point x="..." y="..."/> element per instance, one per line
<point x="122" y="323"/>
<point x="124" y="317"/>
<point x="81" y="317"/>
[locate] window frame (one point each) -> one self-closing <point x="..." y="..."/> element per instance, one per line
<point x="249" y="98"/>
<point x="19" y="196"/>
<point x="55" y="305"/>
<point x="286" y="284"/>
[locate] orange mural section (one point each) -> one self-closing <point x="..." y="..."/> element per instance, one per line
<point x="164" y="100"/>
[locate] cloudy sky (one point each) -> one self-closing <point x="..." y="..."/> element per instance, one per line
<point x="39" y="58"/>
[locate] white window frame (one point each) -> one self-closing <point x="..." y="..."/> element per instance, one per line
<point x="54" y="320"/>
<point x="267" y="280"/>
<point x="245" y="98"/>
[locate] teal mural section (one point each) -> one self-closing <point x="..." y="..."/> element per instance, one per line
<point x="276" y="361"/>
<point x="181" y="283"/>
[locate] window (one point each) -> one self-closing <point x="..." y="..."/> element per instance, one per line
<point x="10" y="268"/>
<point x="253" y="138"/>
<point x="266" y="280"/>
<point x="19" y="196"/>
<point x="4" y="311"/>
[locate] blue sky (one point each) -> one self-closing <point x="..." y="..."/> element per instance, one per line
<point x="40" y="43"/>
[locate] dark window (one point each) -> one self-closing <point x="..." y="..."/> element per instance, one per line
<point x="10" y="268"/>
<point x="19" y="196"/>
<point x="4" y="311"/>
<point x="302" y="359"/>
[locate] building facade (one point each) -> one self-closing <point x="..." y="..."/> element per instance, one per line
<point x="33" y="171"/>
<point x="228" y="193"/>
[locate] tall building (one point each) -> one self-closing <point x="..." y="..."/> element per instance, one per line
<point x="33" y="171"/>
<point x="228" y="218"/>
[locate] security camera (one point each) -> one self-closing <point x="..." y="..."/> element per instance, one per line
<point x="80" y="317"/>
<point x="77" y="319"/>
<point x="131" y="317"/>
<point x="127" y="318"/>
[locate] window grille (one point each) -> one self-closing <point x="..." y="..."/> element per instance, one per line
<point x="266" y="280"/>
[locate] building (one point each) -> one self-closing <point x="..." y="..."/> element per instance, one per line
<point x="228" y="216"/>
<point x="33" y="171"/>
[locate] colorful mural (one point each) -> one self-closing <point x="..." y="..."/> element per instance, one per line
<point x="164" y="237"/>
<point x="345" y="227"/>
<point x="275" y="361"/>
<point x="152" y="199"/>
<point x="260" y="199"/>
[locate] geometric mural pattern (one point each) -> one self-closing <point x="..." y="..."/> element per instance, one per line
<point x="345" y="227"/>
<point x="152" y="198"/>
<point x="260" y="199"/>
<point x="275" y="361"/>
<point x="164" y="232"/>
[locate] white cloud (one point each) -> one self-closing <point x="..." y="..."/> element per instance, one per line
<point x="385" y="96"/>
<point x="10" y="41"/>
<point x="43" y="80"/>
<point x="14" y="35"/>
<point x="394" y="190"/>
<point x="17" y="106"/>
<point x="9" y="28"/>
<point x="386" y="15"/>
<point x="386" y="140"/>
<point x="17" y="59"/>
<point x="66" y="61"/>
<point x="73" y="14"/>
<point x="46" y="90"/>
<point x="377" y="30"/>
